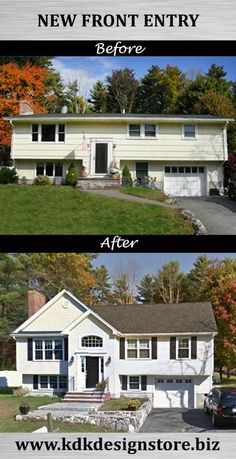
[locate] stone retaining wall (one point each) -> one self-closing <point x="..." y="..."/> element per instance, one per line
<point x="125" y="421"/>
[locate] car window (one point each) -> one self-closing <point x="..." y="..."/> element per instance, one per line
<point x="228" y="399"/>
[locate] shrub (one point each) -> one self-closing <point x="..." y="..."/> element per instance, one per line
<point x="72" y="175"/>
<point x="42" y="180"/>
<point x="131" y="404"/>
<point x="8" y="175"/>
<point x="126" y="177"/>
<point x="7" y="390"/>
<point x="21" y="392"/>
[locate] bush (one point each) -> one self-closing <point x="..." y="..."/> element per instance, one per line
<point x="7" y="390"/>
<point x="72" y="176"/>
<point x="131" y="404"/>
<point x="42" y="180"/>
<point x="8" y="175"/>
<point x="126" y="177"/>
<point x="21" y="392"/>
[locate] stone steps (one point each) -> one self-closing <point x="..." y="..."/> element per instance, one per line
<point x="86" y="397"/>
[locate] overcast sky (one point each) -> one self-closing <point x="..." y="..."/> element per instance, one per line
<point x="92" y="68"/>
<point x="151" y="262"/>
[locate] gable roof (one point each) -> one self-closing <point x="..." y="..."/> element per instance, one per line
<point x="159" y="318"/>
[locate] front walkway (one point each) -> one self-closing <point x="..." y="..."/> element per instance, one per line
<point x="67" y="409"/>
<point x="127" y="197"/>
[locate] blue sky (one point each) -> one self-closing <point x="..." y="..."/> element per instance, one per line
<point x="151" y="262"/>
<point x="89" y="69"/>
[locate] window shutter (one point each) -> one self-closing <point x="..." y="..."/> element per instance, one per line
<point x="143" y="382"/>
<point x="193" y="347"/>
<point x="154" y="347"/>
<point x="173" y="348"/>
<point x="123" y="382"/>
<point x="35" y="382"/>
<point x="66" y="348"/>
<point x="122" y="348"/>
<point x="30" y="348"/>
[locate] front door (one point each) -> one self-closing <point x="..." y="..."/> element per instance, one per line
<point x="92" y="371"/>
<point x="101" y="158"/>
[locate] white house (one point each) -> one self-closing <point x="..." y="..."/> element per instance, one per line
<point x="164" y="351"/>
<point x="183" y="154"/>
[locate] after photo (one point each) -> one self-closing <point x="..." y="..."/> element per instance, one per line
<point x="117" y="145"/>
<point x="110" y="343"/>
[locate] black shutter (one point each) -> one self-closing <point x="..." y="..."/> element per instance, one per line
<point x="143" y="382"/>
<point x="66" y="348"/>
<point x="154" y="347"/>
<point x="122" y="348"/>
<point x="35" y="382"/>
<point x="173" y="348"/>
<point x="30" y="348"/>
<point x="193" y="347"/>
<point x="123" y="382"/>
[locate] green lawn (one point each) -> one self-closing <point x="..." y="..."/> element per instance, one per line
<point x="9" y="408"/>
<point x="117" y="404"/>
<point x="148" y="193"/>
<point x="66" y="210"/>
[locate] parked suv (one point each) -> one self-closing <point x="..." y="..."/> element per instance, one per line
<point x="221" y="404"/>
<point x="232" y="187"/>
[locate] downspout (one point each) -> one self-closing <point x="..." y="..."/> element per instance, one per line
<point x="12" y="143"/>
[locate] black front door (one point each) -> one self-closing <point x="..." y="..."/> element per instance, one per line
<point x="92" y="371"/>
<point x="101" y="153"/>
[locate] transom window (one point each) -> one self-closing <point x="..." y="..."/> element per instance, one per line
<point x="142" y="130"/>
<point x="92" y="341"/>
<point x="183" y="348"/>
<point x="138" y="348"/>
<point x="49" y="349"/>
<point x="189" y="131"/>
<point x="50" y="169"/>
<point x="48" y="133"/>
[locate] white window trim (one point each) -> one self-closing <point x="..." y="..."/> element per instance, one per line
<point x="40" y="134"/>
<point x="190" y="138"/>
<point x="138" y="349"/>
<point x="54" y="168"/>
<point x="142" y="132"/>
<point x="44" y="350"/>
<point x="177" y="348"/>
<point x="128" y="383"/>
<point x="48" y="383"/>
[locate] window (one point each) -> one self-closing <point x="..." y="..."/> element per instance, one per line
<point x="167" y="169"/>
<point x="188" y="381"/>
<point x="160" y="381"/>
<point x="134" y="130"/>
<point x="134" y="382"/>
<point x="35" y="132"/>
<point x="138" y="348"/>
<point x="201" y="170"/>
<point x="50" y="169"/>
<point x="82" y="364"/>
<point x="150" y="130"/>
<point x="48" y="133"/>
<point x="194" y="170"/>
<point x="181" y="169"/>
<point x="183" y="348"/>
<point x="189" y="131"/>
<point x="179" y="381"/>
<point x="174" y="170"/>
<point x="141" y="170"/>
<point x="169" y="381"/>
<point x="61" y="133"/>
<point x="48" y="349"/>
<point x="187" y="170"/>
<point x="92" y="341"/>
<point x="43" y="382"/>
<point x="50" y="382"/>
<point x="62" y="382"/>
<point x="53" y="382"/>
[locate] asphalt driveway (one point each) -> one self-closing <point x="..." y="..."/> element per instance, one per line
<point x="217" y="213"/>
<point x="180" y="420"/>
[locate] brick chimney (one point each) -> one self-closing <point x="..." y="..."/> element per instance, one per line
<point x="25" y="108"/>
<point x="36" y="300"/>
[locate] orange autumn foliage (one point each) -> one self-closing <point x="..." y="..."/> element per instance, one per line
<point x="27" y="83"/>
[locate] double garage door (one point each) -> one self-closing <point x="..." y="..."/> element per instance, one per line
<point x="185" y="180"/>
<point x="173" y="393"/>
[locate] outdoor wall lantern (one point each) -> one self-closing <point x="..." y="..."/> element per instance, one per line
<point x="108" y="361"/>
<point x="71" y="360"/>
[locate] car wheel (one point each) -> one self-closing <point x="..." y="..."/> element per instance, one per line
<point x="231" y="192"/>
<point x="214" y="420"/>
<point x="205" y="409"/>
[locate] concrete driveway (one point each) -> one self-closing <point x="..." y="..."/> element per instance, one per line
<point x="217" y="213"/>
<point x="180" y="420"/>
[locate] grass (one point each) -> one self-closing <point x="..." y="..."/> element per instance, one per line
<point x="116" y="404"/>
<point x="9" y="408"/>
<point x="148" y="193"/>
<point x="52" y="210"/>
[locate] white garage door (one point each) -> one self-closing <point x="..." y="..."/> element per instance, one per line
<point x="185" y="180"/>
<point x="173" y="393"/>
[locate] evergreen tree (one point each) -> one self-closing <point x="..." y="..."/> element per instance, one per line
<point x="99" y="97"/>
<point x="101" y="292"/>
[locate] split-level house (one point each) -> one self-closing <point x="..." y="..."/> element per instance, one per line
<point x="162" y="351"/>
<point x="183" y="154"/>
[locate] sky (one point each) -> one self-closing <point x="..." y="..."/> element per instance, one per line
<point x="87" y="70"/>
<point x="149" y="263"/>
